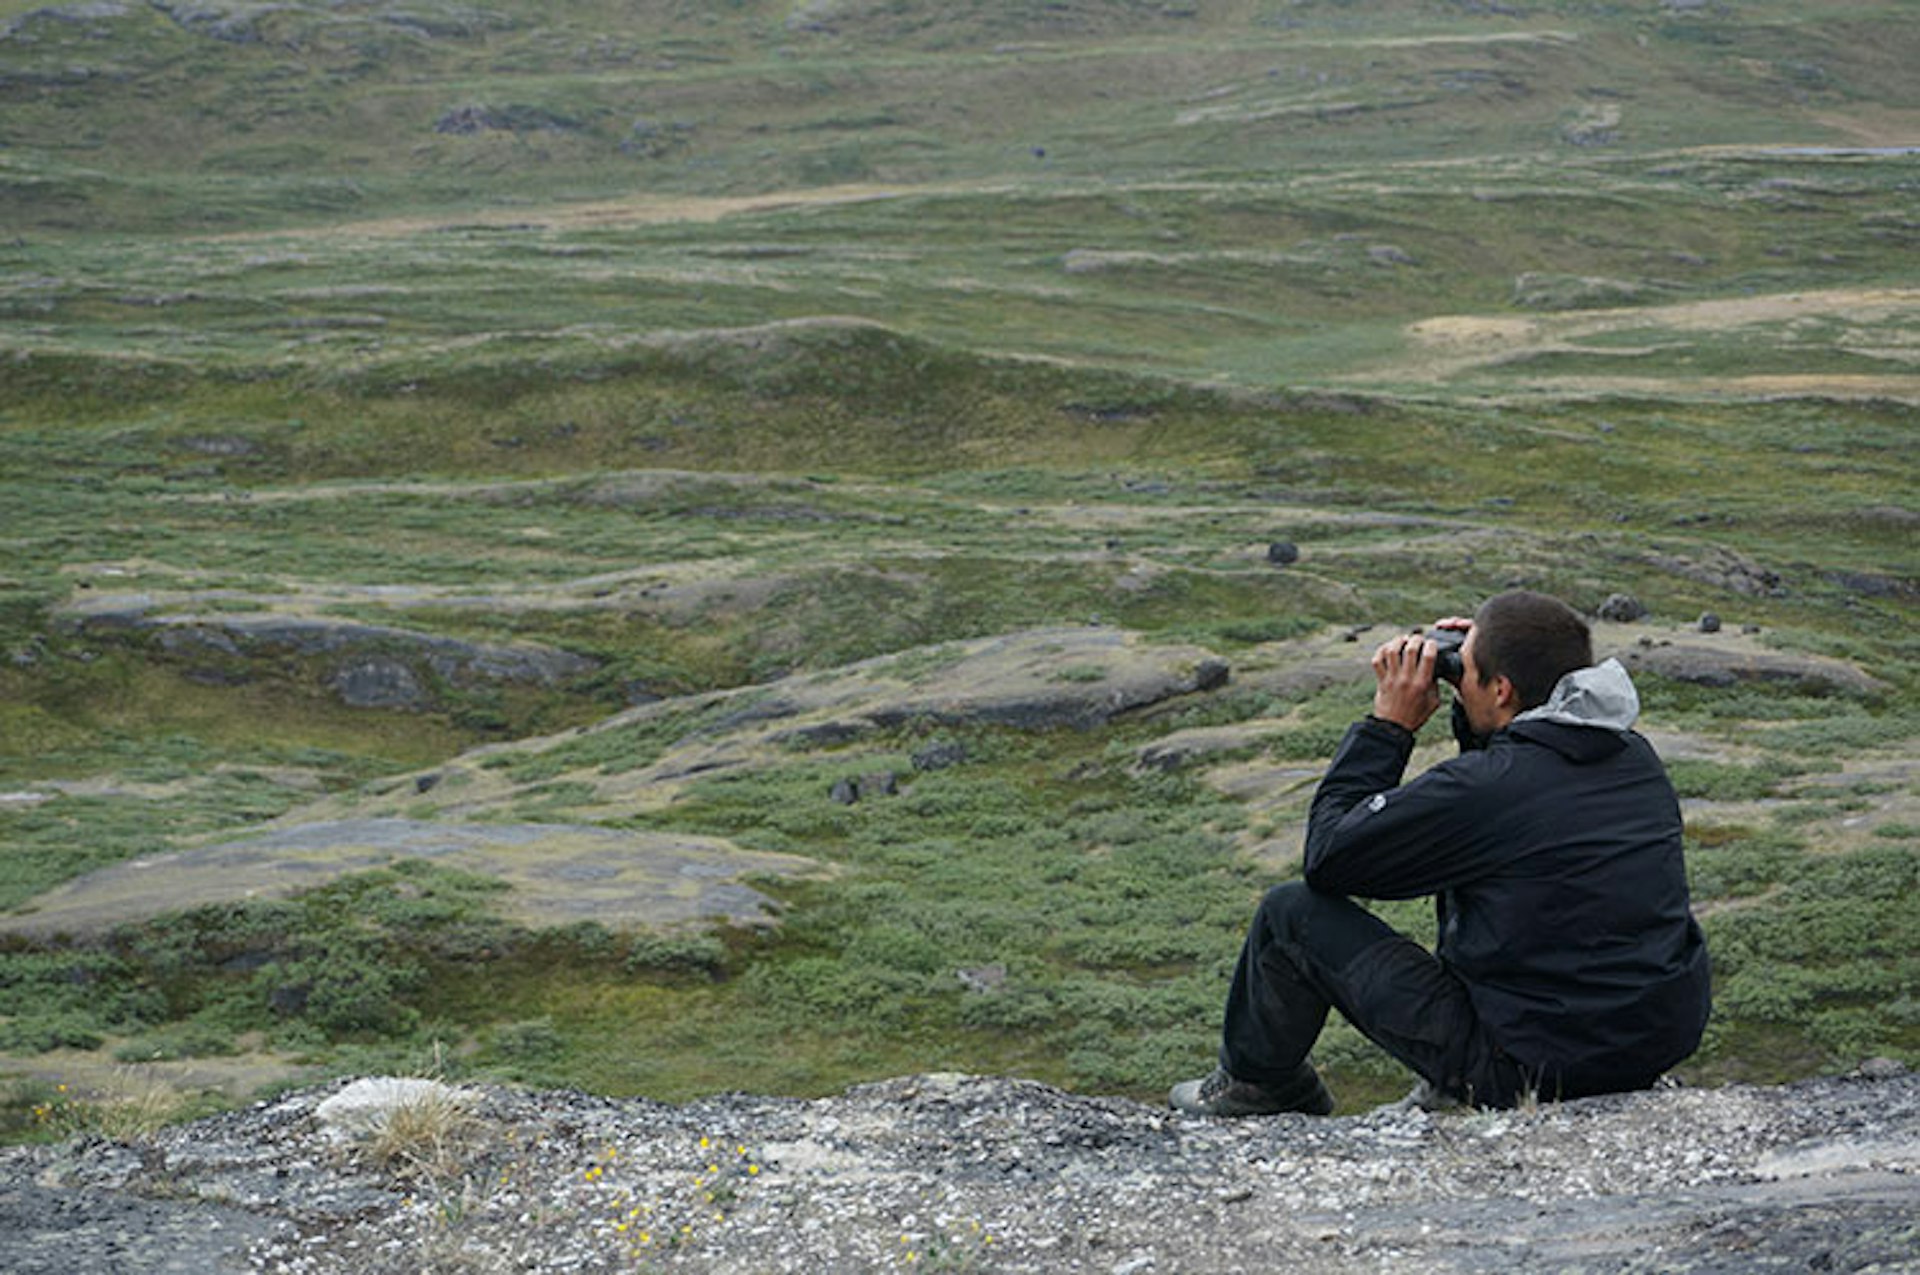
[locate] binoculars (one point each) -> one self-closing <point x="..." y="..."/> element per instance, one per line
<point x="1446" y="662"/>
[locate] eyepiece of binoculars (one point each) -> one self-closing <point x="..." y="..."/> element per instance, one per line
<point x="1446" y="663"/>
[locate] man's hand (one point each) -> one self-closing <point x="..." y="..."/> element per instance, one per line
<point x="1406" y="693"/>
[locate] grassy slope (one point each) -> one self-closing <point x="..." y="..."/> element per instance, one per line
<point x="262" y="328"/>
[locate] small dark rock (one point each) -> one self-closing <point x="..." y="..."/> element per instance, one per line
<point x="225" y="445"/>
<point x="426" y="783"/>
<point x="881" y="783"/>
<point x="1709" y="622"/>
<point x="1283" y="553"/>
<point x="1622" y="608"/>
<point x="468" y="120"/>
<point x="378" y="683"/>
<point x="214" y="675"/>
<point x="982" y="978"/>
<point x="939" y="755"/>
<point x="289" y="1000"/>
<point x="1868" y="584"/>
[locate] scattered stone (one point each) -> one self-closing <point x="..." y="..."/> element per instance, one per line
<point x="939" y="755"/>
<point x="379" y="683"/>
<point x="983" y="978"/>
<point x="221" y="445"/>
<point x="848" y="792"/>
<point x="1870" y="584"/>
<point x="1283" y="553"/>
<point x="654" y="139"/>
<point x="469" y="120"/>
<point x="1722" y="568"/>
<point x="214" y="675"/>
<point x="1709" y="622"/>
<point x="1622" y="608"/>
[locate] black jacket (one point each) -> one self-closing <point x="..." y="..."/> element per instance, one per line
<point x="1555" y="855"/>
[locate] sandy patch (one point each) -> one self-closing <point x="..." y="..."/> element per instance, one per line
<point x="1445" y="347"/>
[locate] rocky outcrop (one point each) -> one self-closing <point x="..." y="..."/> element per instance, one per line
<point x="1722" y="568"/>
<point x="557" y="874"/>
<point x="366" y="665"/>
<point x="970" y="1173"/>
<point x="1719" y="660"/>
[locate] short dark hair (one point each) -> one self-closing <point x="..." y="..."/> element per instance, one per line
<point x="1533" y="639"/>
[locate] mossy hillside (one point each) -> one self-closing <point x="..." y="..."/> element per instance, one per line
<point x="1573" y="298"/>
<point x="1256" y="278"/>
<point x="271" y="116"/>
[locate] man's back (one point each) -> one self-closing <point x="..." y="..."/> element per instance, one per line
<point x="1578" y="944"/>
<point x="1556" y="854"/>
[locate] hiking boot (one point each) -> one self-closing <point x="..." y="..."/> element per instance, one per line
<point x="1222" y="1095"/>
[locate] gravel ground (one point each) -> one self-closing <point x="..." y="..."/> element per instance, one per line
<point x="988" y="1174"/>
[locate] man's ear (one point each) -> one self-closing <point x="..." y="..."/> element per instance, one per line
<point x="1505" y="697"/>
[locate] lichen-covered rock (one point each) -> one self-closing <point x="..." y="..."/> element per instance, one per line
<point x="366" y="665"/>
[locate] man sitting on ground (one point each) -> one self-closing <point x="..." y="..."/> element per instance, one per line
<point x="1568" y="960"/>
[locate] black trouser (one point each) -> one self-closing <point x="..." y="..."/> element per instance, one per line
<point x="1307" y="951"/>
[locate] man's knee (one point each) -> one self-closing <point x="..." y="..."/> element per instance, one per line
<point x="1288" y="908"/>
<point x="1332" y="928"/>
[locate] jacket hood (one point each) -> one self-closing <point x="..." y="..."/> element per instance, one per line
<point x="1601" y="696"/>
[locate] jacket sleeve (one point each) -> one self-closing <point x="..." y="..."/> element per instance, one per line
<point x="1370" y="835"/>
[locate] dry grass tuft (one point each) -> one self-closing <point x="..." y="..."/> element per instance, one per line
<point x="429" y="1134"/>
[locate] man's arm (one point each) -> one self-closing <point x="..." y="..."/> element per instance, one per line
<point x="1370" y="835"/>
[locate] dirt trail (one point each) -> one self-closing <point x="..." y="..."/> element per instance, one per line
<point x="633" y="210"/>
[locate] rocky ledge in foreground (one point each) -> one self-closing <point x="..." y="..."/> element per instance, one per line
<point x="953" y="1172"/>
